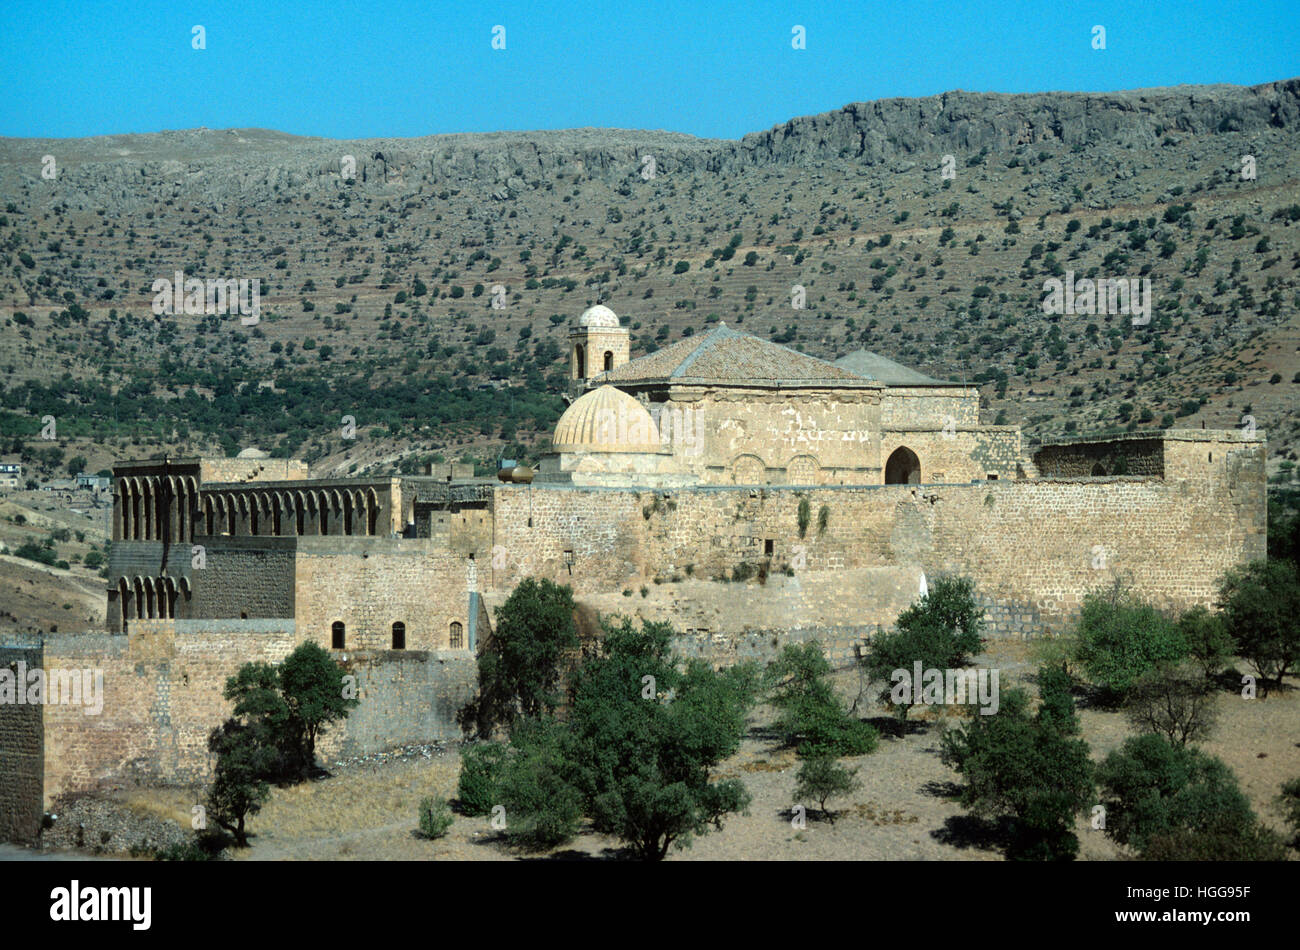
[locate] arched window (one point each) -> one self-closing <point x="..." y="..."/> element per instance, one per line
<point x="337" y="635"/>
<point x="903" y="468"/>
<point x="609" y="361"/>
<point x="580" y="362"/>
<point x="457" y="638"/>
<point x="1098" y="470"/>
<point x="399" y="636"/>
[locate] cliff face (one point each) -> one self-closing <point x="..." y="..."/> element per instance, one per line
<point x="254" y="165"/>
<point x="888" y="129"/>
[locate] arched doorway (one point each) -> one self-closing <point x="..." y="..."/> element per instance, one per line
<point x="1098" y="470"/>
<point x="903" y="467"/>
<point x="609" y="361"/>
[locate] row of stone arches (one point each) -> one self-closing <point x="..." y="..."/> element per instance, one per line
<point x="291" y="513"/>
<point x="155" y="507"/>
<point x="339" y="635"/>
<point x="151" y="598"/>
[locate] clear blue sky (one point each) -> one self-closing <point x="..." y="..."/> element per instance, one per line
<point x="354" y="69"/>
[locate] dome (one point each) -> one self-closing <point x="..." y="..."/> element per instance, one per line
<point x="606" y="420"/>
<point x="598" y="316"/>
<point x="251" y="453"/>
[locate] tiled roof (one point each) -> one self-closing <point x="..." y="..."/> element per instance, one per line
<point x="884" y="370"/>
<point x="730" y="357"/>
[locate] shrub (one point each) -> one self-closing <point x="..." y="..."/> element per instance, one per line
<point x="811" y="717"/>
<point x="1172" y="701"/>
<point x="1026" y="769"/>
<point x="823" y="778"/>
<point x="1290" y="802"/>
<point x="479" y="787"/>
<point x="539" y="792"/>
<point x="1207" y="639"/>
<point x="950" y="605"/>
<point x="1153" y="788"/>
<point x="1260" y="605"/>
<point x="435" y="818"/>
<point x="1057" y="708"/>
<point x="1255" y="843"/>
<point x="1121" y="639"/>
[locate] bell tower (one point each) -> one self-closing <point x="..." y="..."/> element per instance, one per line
<point x="597" y="343"/>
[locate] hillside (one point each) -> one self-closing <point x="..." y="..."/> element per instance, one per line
<point x="377" y="297"/>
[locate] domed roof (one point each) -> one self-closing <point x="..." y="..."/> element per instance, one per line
<point x="251" y="453"/>
<point x="598" y="316"/>
<point x="606" y="420"/>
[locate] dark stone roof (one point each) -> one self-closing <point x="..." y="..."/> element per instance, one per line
<point x="884" y="370"/>
<point x="731" y="358"/>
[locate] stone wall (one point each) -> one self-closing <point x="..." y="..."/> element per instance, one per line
<point x="1041" y="543"/>
<point x="162" y="696"/>
<point x="244" y="578"/>
<point x="930" y="407"/>
<point x="1117" y="457"/>
<point x="22" y="750"/>
<point x="368" y="584"/>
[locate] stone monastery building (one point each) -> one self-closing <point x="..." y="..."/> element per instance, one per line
<point x="747" y="493"/>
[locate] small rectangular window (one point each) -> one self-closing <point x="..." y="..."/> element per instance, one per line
<point x="769" y="546"/>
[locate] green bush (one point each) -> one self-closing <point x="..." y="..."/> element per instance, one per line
<point x="950" y="606"/>
<point x="1152" y="788"/>
<point x="1290" y="802"/>
<point x="823" y="778"/>
<point x="435" y="818"/>
<point x="1027" y="769"/>
<point x="539" y="787"/>
<point x="1207" y="639"/>
<point x="811" y="717"/>
<point x="479" y="787"/>
<point x="1261" y="604"/>
<point x="1121" y="639"/>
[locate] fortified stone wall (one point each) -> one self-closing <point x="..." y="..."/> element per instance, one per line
<point x="161" y="694"/>
<point x="162" y="689"/>
<point x="1042" y="543"/>
<point x="1118" y="457"/>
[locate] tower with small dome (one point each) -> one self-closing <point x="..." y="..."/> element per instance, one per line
<point x="597" y="343"/>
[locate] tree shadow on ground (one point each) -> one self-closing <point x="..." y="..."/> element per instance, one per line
<point x="939" y="789"/>
<point x="970" y="831"/>
<point x="897" y="728"/>
<point x="573" y="854"/>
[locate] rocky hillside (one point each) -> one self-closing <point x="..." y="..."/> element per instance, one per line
<point x="423" y="286"/>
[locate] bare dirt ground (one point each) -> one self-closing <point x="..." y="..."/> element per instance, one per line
<point x="905" y="809"/>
